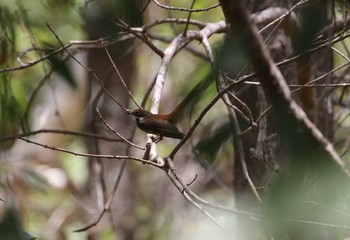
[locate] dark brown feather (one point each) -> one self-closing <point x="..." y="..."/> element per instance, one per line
<point x="156" y="124"/>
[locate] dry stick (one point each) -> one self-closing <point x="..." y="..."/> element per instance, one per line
<point x="25" y="52"/>
<point x="194" y="22"/>
<point x="195" y="197"/>
<point x="121" y="79"/>
<point x="97" y="164"/>
<point x="140" y="34"/>
<point x="321" y="77"/>
<point x="174" y="178"/>
<point x="257" y="121"/>
<point x="64" y="132"/>
<point x="89" y="71"/>
<point x="108" y="203"/>
<point x="229" y="104"/>
<point x="344" y="46"/>
<point x="115" y="132"/>
<point x="341" y="54"/>
<point x="323" y="85"/>
<point x="200" y="208"/>
<point x="289" y="11"/>
<point x="188" y="19"/>
<point x="258" y="152"/>
<point x="322" y="224"/>
<point x="241" y="155"/>
<point x="192" y="50"/>
<point x="107" y="156"/>
<point x="245" y="108"/>
<point x="184" y="9"/>
<point x="88" y="44"/>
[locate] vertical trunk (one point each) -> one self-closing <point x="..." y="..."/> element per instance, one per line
<point x="99" y="19"/>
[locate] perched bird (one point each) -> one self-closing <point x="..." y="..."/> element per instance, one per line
<point x="163" y="125"/>
<point x="157" y="124"/>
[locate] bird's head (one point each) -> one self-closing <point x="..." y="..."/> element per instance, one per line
<point x="140" y="113"/>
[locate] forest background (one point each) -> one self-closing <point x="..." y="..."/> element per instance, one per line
<point x="266" y="121"/>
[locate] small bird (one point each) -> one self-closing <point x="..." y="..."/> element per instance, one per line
<point x="163" y="125"/>
<point x="157" y="124"/>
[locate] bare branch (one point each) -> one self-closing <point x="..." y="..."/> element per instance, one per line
<point x="116" y="133"/>
<point x="92" y="155"/>
<point x="64" y="132"/>
<point x="184" y="9"/>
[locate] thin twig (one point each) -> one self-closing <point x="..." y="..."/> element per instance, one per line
<point x="184" y="9"/>
<point x="245" y="107"/>
<point x="184" y="188"/>
<point x="121" y="78"/>
<point x="87" y="44"/>
<point x="107" y="205"/>
<point x="92" y="155"/>
<point x="341" y="54"/>
<point x="88" y="70"/>
<point x="64" y="132"/>
<point x="188" y="19"/>
<point x="241" y="155"/>
<point x="194" y="22"/>
<point x="116" y="133"/>
<point x="196" y="205"/>
<point x="142" y="35"/>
